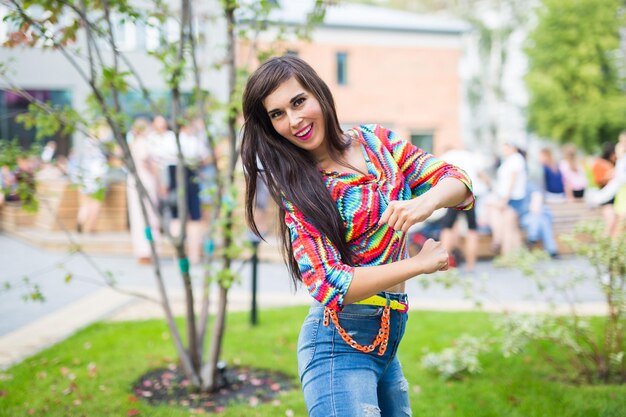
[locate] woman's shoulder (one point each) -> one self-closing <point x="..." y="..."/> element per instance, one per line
<point x="373" y="129"/>
<point x="372" y="134"/>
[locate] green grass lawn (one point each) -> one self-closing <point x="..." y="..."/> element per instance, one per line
<point x="91" y="373"/>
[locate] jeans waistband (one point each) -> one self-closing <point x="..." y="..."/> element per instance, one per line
<point x="398" y="296"/>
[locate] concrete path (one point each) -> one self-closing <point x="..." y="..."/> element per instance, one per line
<point x="28" y="327"/>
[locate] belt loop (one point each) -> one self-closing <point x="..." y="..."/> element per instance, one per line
<point x="388" y="299"/>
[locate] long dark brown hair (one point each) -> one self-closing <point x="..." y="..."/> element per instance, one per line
<point x="290" y="172"/>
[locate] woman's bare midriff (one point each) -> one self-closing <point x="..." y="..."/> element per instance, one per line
<point x="396" y="288"/>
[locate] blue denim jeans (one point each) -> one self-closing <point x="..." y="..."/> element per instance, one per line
<point x="340" y="381"/>
<point x="539" y="227"/>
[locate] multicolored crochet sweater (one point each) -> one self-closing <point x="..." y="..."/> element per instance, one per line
<point x="397" y="170"/>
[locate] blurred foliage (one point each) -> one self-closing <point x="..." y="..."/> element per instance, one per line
<point x="418" y="6"/>
<point x="596" y="354"/>
<point x="86" y="34"/>
<point x="17" y="181"/>
<point x="458" y="361"/>
<point x="575" y="76"/>
<point x="591" y="350"/>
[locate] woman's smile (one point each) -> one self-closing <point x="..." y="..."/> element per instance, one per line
<point x="305" y="133"/>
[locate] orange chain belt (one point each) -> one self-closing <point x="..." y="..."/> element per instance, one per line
<point x="382" y="338"/>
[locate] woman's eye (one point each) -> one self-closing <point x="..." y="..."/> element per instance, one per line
<point x="275" y="115"/>
<point x="298" y="101"/>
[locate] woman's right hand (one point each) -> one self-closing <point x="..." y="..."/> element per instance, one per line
<point x="432" y="258"/>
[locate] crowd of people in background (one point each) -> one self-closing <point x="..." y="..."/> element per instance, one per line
<point x="97" y="162"/>
<point x="513" y="193"/>
<point x="155" y="153"/>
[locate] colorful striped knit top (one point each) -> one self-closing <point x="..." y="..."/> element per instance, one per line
<point x="397" y="170"/>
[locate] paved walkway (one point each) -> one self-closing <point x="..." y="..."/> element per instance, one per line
<point x="28" y="327"/>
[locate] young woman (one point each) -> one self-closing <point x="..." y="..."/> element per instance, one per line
<point x="552" y="177"/>
<point x="346" y="201"/>
<point x="574" y="177"/>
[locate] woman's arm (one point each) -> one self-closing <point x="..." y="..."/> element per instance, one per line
<point x="400" y="215"/>
<point x="421" y="170"/>
<point x="448" y="192"/>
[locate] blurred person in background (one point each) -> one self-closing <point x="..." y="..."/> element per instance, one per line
<point x="53" y="165"/>
<point x="147" y="172"/>
<point x="553" y="187"/>
<point x="536" y="219"/>
<point x="620" y="177"/>
<point x="506" y="204"/>
<point x="195" y="154"/>
<point x="450" y="233"/>
<point x="603" y="166"/>
<point x="612" y="195"/>
<point x="88" y="170"/>
<point x="162" y="143"/>
<point x="603" y="170"/>
<point x="574" y="177"/>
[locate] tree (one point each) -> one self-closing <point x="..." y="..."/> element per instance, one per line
<point x="575" y="76"/>
<point x="84" y="32"/>
<point x="494" y="23"/>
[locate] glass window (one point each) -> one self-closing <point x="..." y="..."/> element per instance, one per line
<point x="13" y="104"/>
<point x="152" y="35"/>
<point x="423" y="140"/>
<point x="4" y="25"/>
<point x="342" y="68"/>
<point x="125" y="35"/>
<point x="134" y="104"/>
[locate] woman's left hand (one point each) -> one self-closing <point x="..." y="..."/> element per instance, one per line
<point x="401" y="215"/>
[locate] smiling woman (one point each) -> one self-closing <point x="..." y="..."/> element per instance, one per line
<point x="346" y="201"/>
<point x="297" y="116"/>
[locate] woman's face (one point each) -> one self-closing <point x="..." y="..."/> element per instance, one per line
<point x="297" y="116"/>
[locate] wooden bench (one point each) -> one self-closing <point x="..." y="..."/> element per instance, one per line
<point x="59" y="204"/>
<point x="58" y="209"/>
<point x="565" y="216"/>
<point x="13" y="216"/>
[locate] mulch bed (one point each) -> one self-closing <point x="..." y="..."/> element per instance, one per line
<point x="169" y="386"/>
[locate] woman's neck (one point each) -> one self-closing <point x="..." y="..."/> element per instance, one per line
<point x="350" y="160"/>
<point x="326" y="161"/>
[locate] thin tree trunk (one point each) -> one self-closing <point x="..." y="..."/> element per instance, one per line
<point x="210" y="376"/>
<point x="186" y="364"/>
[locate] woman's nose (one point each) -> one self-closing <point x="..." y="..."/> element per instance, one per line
<point x="294" y="119"/>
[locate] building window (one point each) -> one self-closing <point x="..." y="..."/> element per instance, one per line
<point x="4" y="24"/>
<point x="133" y="103"/>
<point x="125" y="35"/>
<point x="423" y="140"/>
<point x="13" y="104"/>
<point x="342" y="68"/>
<point x="157" y="34"/>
